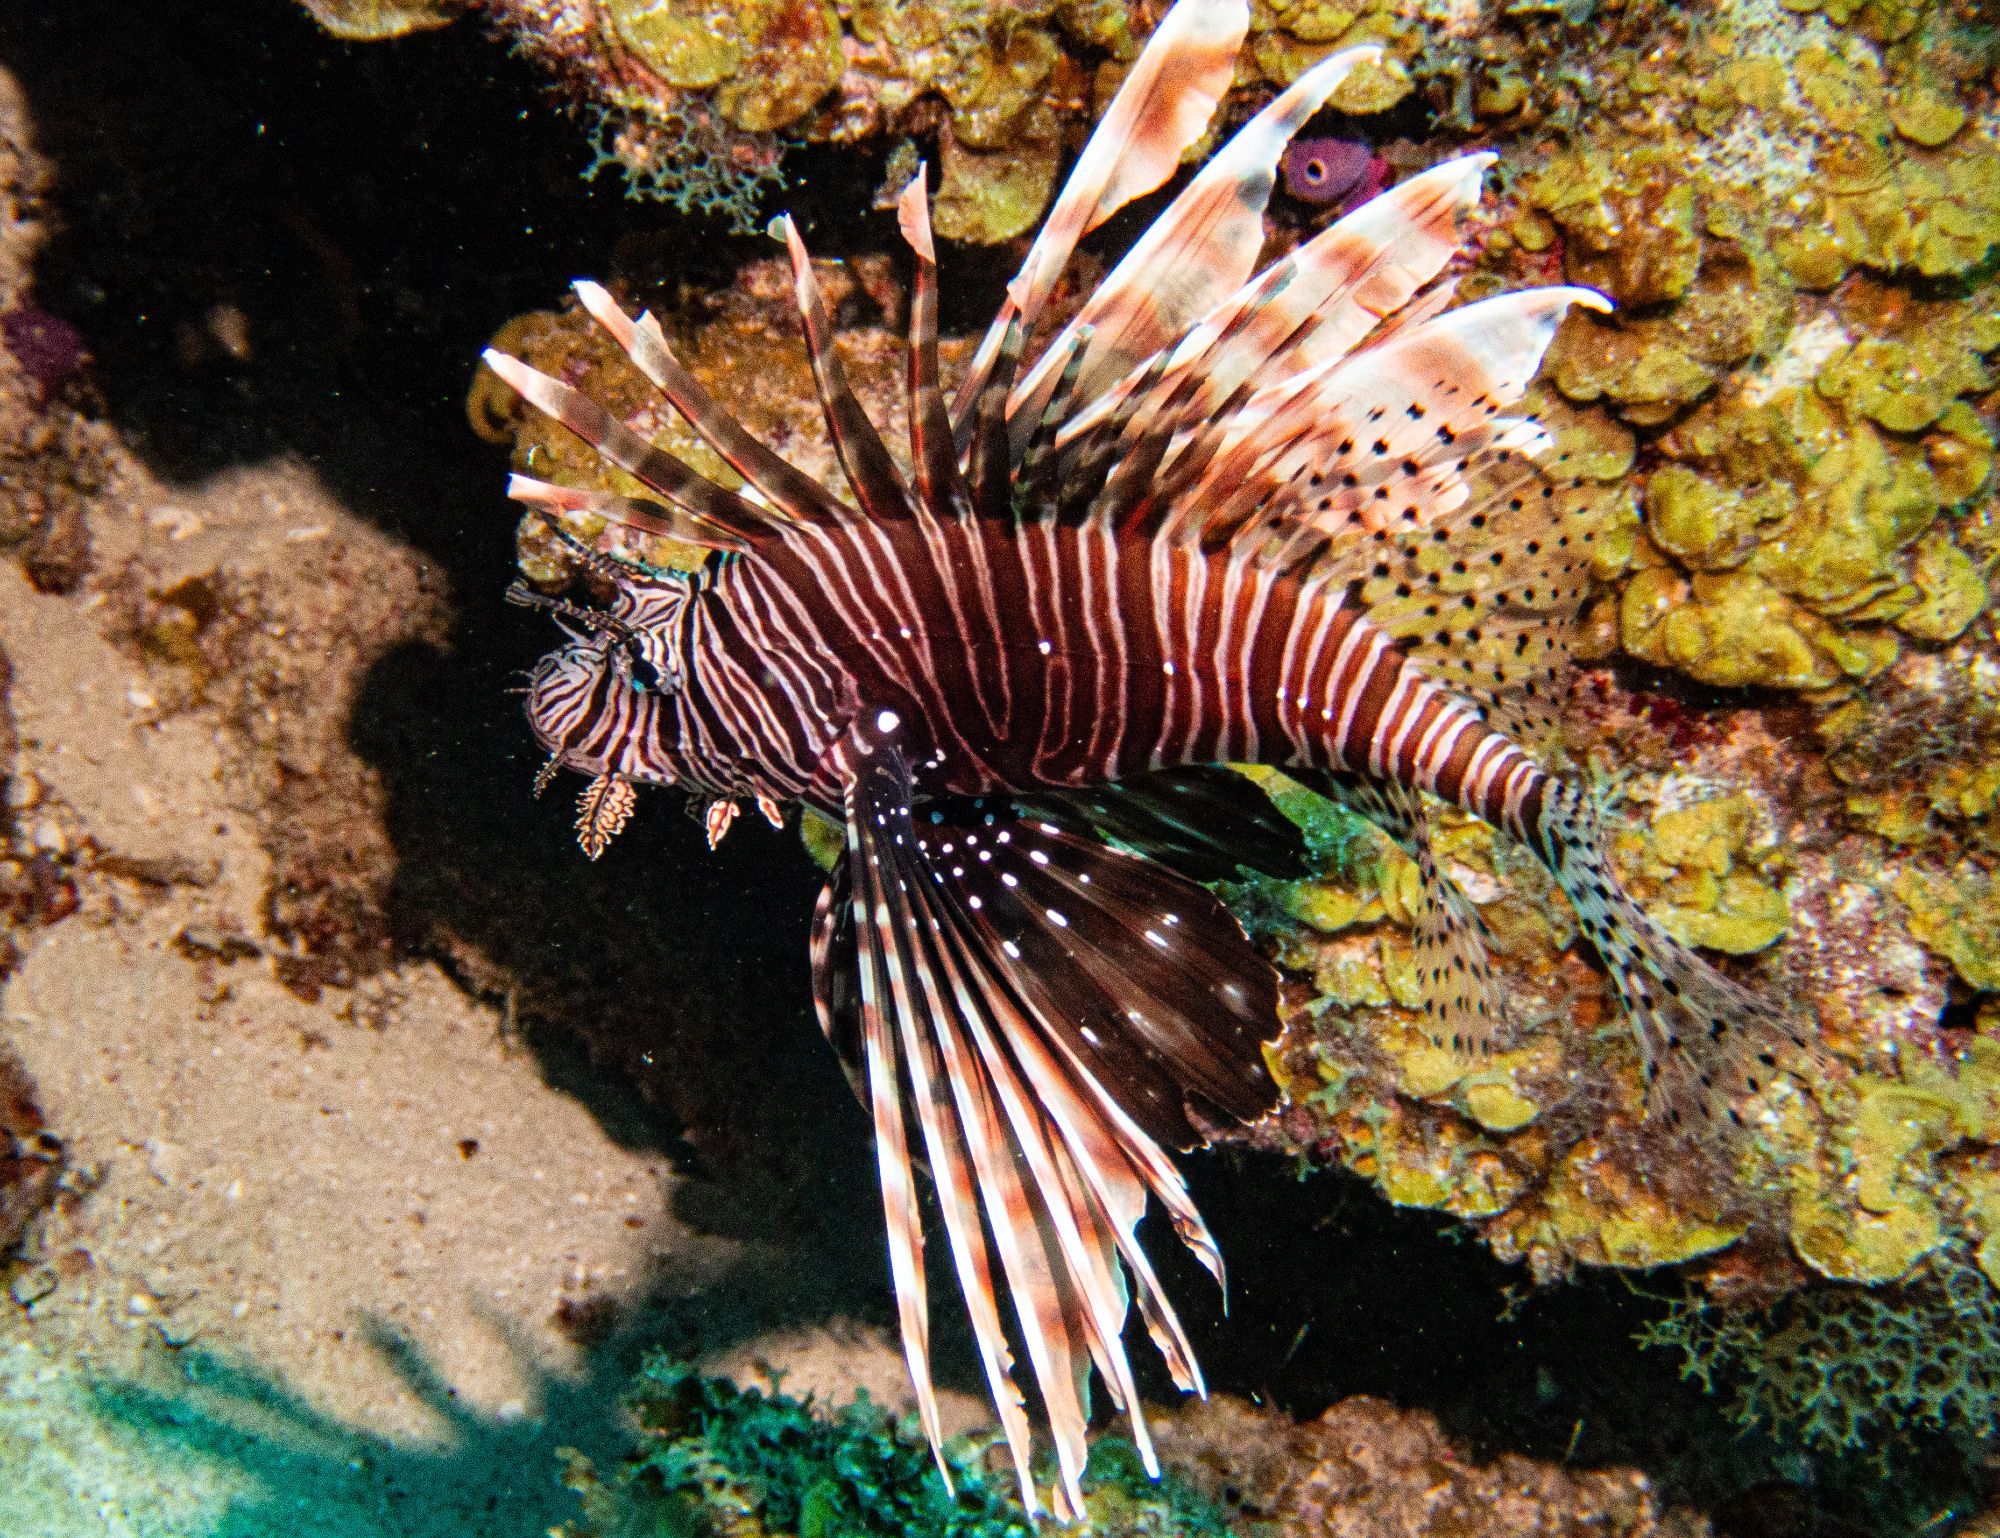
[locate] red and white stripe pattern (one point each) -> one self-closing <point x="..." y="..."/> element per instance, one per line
<point x="1109" y="661"/>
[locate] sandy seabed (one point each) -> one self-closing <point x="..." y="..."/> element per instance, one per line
<point x="315" y="1260"/>
<point x="327" y="1255"/>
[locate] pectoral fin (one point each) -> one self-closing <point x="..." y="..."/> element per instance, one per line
<point x="1046" y="1009"/>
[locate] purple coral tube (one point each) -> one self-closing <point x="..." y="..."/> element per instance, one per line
<point x="1330" y="170"/>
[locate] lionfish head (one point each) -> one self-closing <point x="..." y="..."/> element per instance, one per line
<point x="611" y="679"/>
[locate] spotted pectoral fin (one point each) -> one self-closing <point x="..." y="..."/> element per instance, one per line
<point x="1146" y="976"/>
<point x="1464" y="1004"/>
<point x="1205" y="821"/>
<point x="1043" y="1008"/>
<point x="1487" y="598"/>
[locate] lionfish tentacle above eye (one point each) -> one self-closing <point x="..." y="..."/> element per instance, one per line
<point x="1225" y="516"/>
<point x="863" y="454"/>
<point x="627" y="512"/>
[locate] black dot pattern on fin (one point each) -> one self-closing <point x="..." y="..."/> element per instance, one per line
<point x="1708" y="1044"/>
<point x="1464" y="1005"/>
<point x="1486" y="598"/>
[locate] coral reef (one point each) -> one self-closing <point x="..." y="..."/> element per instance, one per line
<point x="720" y="1459"/>
<point x="1853" y="1369"/>
<point x="1791" y="695"/>
<point x="1366" y="1469"/>
<point x="702" y="94"/>
<point x="1802" y="512"/>
<point x="367" y="21"/>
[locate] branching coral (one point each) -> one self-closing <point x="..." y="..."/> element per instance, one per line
<point x="1853" y="1369"/>
<point x="682" y="154"/>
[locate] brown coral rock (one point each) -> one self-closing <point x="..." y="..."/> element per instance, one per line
<point x="1366" y="1469"/>
<point x="30" y="1155"/>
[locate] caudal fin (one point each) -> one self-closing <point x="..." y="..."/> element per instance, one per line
<point x="1708" y="1043"/>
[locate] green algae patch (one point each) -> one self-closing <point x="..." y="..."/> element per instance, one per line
<point x="1953" y="592"/>
<point x="1927" y="116"/>
<point x="370" y="21"/>
<point x="987" y="196"/>
<point x="1710" y="861"/>
<point x="1705" y="526"/>
<point x="714" y="1458"/>
<point x="689" y="42"/>
<point x="1872" y="1211"/>
<point x="1904" y="386"/>
<point x="1630" y="217"/>
<point x="792" y="58"/>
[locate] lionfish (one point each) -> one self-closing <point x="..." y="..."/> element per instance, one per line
<point x="1226" y="516"/>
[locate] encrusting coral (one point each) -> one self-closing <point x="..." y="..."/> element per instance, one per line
<point x="698" y="98"/>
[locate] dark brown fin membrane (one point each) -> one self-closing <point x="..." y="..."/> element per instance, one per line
<point x="835" y="998"/>
<point x="933" y="455"/>
<point x="1708" y="1043"/>
<point x="988" y="453"/>
<point x="1205" y="822"/>
<point x="1464" y="1006"/>
<point x="954" y="934"/>
<point x="1148" y="978"/>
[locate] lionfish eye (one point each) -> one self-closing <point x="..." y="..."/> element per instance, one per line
<point x="646" y="678"/>
<point x="1315" y="171"/>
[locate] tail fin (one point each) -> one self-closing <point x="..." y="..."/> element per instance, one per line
<point x="1707" y="1043"/>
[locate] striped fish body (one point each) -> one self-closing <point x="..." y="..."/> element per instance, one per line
<point x="1225" y="516"/>
<point x="1026" y="656"/>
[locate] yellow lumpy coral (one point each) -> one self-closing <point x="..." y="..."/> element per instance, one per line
<point x="367" y="21"/>
<point x="1710" y="862"/>
<point x="1631" y="218"/>
<point x="1957" y="914"/>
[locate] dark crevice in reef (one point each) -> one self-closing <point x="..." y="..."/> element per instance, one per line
<point x="274" y="243"/>
<point x="356" y="221"/>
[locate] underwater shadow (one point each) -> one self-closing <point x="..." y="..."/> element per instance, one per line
<point x="664" y="986"/>
<point x="482" y="1476"/>
<point x="278" y="244"/>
